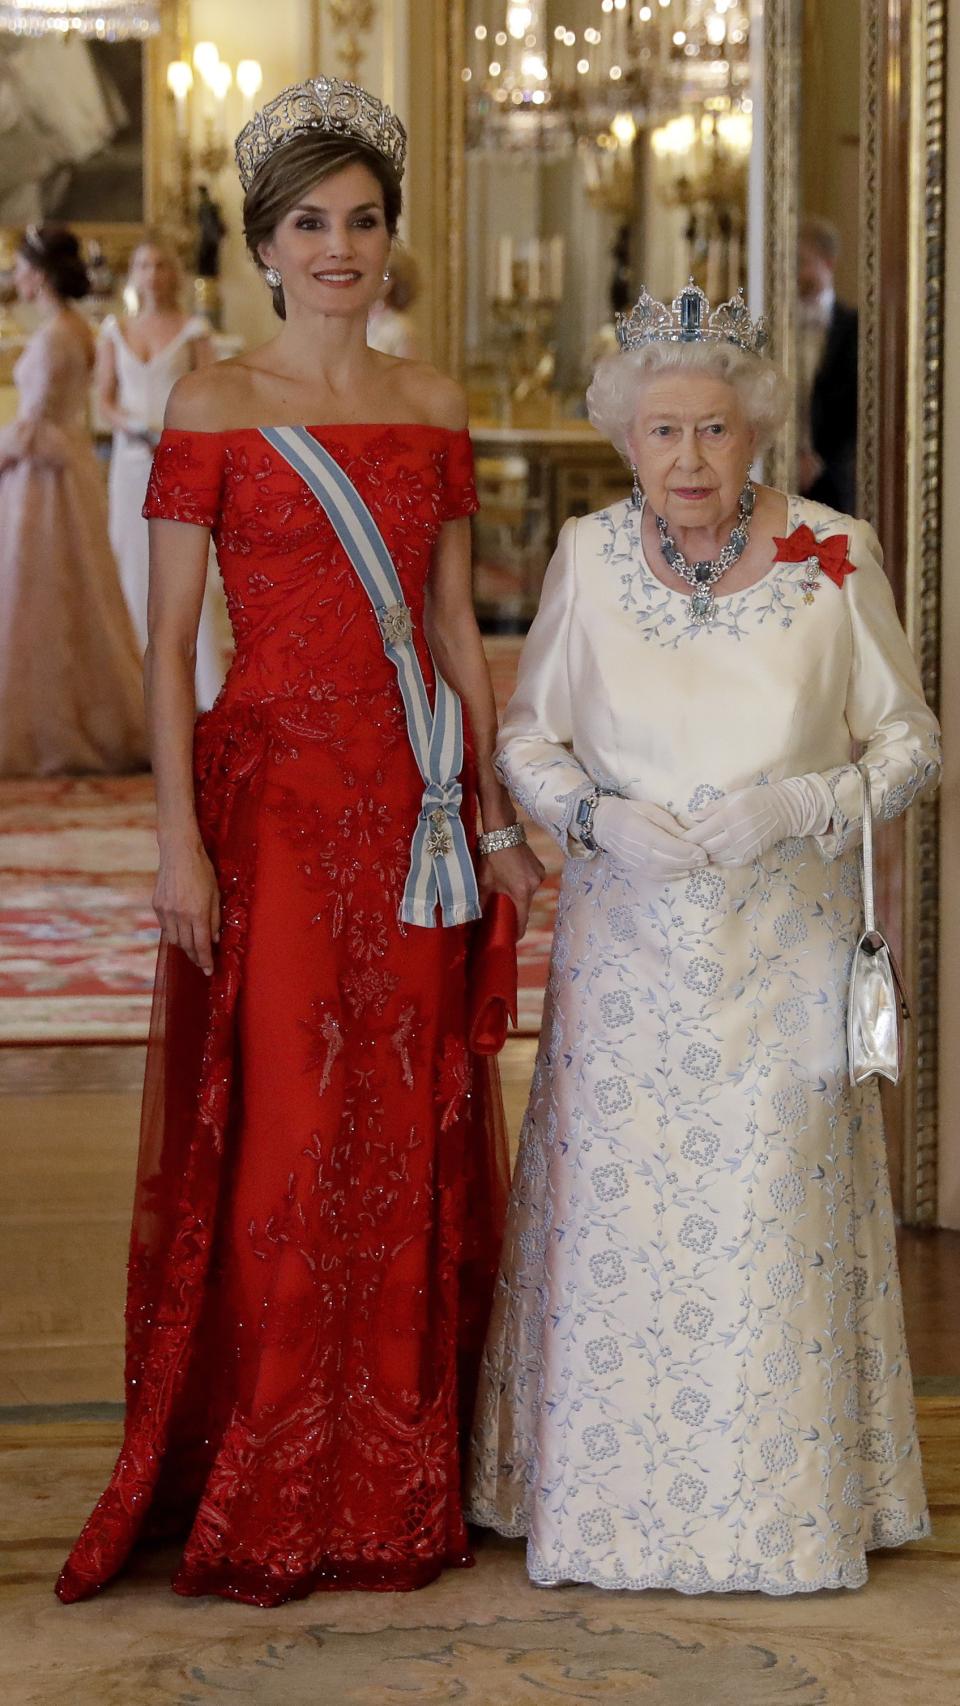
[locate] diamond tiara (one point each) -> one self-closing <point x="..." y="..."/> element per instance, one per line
<point x="324" y="104"/>
<point x="690" y="320"/>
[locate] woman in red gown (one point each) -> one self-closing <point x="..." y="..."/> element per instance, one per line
<point x="306" y="1289"/>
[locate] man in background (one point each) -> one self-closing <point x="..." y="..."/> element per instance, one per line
<point x="827" y="358"/>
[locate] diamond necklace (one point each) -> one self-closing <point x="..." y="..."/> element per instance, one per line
<point x="702" y="576"/>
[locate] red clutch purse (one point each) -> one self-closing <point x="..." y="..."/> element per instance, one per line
<point x="492" y="976"/>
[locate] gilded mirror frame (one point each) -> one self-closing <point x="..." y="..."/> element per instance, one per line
<point x="902" y="85"/>
<point x="118" y="238"/>
<point x="902" y="101"/>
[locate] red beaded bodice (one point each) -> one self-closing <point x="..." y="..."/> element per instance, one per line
<point x="302" y="623"/>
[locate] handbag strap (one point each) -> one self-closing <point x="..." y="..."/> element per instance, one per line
<point x="869" y="915"/>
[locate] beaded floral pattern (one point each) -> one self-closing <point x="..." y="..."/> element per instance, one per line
<point x="697" y="1345"/>
<point x="696" y="1375"/>
<point x="294" y="1292"/>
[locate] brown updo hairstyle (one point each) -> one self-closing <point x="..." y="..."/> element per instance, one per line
<point x="284" y="180"/>
<point x="55" y="251"/>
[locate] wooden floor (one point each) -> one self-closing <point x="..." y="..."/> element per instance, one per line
<point x="69" y="1121"/>
<point x="483" y="1637"/>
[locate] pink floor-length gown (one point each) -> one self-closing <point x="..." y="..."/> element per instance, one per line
<point x="71" y="692"/>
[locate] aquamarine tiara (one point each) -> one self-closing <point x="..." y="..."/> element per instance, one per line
<point x="690" y="320"/>
<point x="323" y="104"/>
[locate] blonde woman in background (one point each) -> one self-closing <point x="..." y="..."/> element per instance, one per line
<point x="139" y="360"/>
<point x="390" y="327"/>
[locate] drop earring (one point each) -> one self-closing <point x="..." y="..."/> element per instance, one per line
<point x="386" y="278"/>
<point x="637" y="488"/>
<point x="273" y="278"/>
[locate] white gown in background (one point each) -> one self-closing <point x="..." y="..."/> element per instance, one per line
<point x="696" y="1375"/>
<point x="142" y="391"/>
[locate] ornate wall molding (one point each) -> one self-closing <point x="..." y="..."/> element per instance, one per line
<point x="453" y="167"/>
<point x="782" y="24"/>
<point x="924" y="542"/>
<point x="351" y="22"/>
<point x="899" y="477"/>
<point x="871" y="60"/>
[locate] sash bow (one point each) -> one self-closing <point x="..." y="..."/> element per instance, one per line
<point x="803" y="546"/>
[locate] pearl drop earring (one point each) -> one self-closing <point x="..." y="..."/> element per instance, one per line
<point x="273" y="278"/>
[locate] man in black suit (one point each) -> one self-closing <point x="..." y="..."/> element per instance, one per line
<point x="827" y="358"/>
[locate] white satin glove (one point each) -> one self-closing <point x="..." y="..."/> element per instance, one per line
<point x="746" y="824"/>
<point x="644" y="838"/>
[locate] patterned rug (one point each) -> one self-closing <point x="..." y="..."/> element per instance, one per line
<point x="77" y="932"/>
<point x="481" y="1637"/>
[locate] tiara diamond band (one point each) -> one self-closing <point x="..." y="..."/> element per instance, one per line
<point x="325" y="104"/>
<point x="689" y="319"/>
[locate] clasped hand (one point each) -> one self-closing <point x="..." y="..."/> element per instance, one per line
<point x="644" y="838"/>
<point x="748" y="823"/>
<point x="647" y="839"/>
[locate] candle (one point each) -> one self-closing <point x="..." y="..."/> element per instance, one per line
<point x="504" y="287"/>
<point x="556" y="269"/>
<point x="180" y="82"/>
<point x="221" y="81"/>
<point x="534" y="269"/>
<point x="715" y="258"/>
<point x="249" y="82"/>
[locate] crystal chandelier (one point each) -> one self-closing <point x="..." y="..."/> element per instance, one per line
<point x="533" y="81"/>
<point x="100" y="20"/>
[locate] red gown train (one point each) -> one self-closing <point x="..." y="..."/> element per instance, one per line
<point x="307" y="1295"/>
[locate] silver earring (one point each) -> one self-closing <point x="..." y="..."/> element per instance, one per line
<point x="637" y="488"/>
<point x="273" y="278"/>
<point x="386" y="278"/>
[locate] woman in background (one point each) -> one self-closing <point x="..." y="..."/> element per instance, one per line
<point x="138" y="363"/>
<point x="70" y="686"/>
<point x="390" y="327"/>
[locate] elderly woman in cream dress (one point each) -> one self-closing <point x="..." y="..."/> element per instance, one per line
<point x="696" y="1375"/>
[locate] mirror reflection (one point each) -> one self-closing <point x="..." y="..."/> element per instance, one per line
<point x="607" y="145"/>
<point x="827" y="255"/>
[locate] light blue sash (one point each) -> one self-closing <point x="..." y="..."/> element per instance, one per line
<point x="441" y="870"/>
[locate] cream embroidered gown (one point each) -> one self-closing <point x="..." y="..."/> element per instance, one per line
<point x="696" y="1374"/>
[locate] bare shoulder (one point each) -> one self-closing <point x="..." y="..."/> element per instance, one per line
<point x="208" y="399"/>
<point x="69" y="331"/>
<point x="434" y="394"/>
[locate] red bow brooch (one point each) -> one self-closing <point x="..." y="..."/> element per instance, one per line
<point x="828" y="555"/>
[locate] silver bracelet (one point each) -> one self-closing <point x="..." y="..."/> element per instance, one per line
<point x="498" y="840"/>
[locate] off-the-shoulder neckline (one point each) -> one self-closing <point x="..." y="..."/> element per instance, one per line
<point x="322" y="426"/>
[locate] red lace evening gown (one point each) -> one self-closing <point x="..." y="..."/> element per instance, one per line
<point x="301" y="1285"/>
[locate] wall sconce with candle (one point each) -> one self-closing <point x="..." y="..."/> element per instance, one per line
<point x="203" y="88"/>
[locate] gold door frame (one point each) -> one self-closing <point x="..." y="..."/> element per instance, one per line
<point x="901" y="346"/>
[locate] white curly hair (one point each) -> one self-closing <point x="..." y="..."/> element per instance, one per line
<point x="614" y="391"/>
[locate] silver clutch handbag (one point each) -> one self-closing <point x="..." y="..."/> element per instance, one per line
<point x="877" y="1010"/>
